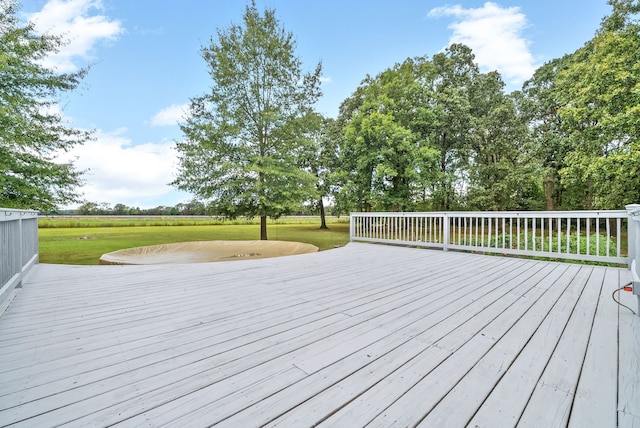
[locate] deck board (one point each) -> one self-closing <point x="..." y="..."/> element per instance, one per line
<point x="629" y="358"/>
<point x="365" y="334"/>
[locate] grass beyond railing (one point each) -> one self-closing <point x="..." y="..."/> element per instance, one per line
<point x="595" y="236"/>
<point x="82" y="240"/>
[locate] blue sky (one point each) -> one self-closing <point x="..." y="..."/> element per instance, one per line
<point x="146" y="64"/>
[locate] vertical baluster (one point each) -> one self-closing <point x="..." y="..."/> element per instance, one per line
<point x="578" y="235"/>
<point x="568" y="235"/>
<point x="559" y="235"/>
<point x="477" y="229"/>
<point x="597" y="236"/>
<point x="534" y="220"/>
<point x="467" y="229"/>
<point x="608" y="235"/>
<point x="511" y="232"/>
<point x="618" y="227"/>
<point x="413" y="225"/>
<point x="588" y="236"/>
<point x="372" y="226"/>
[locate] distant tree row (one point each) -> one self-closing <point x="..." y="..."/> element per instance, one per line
<point x="191" y="208"/>
<point x="103" y="208"/>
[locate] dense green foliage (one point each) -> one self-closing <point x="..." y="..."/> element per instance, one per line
<point x="32" y="133"/>
<point x="599" y="95"/>
<point x="437" y="134"/>
<point x="241" y="146"/>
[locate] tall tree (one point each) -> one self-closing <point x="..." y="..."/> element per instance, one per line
<point x="241" y="147"/>
<point x="455" y="73"/>
<point x="600" y="96"/>
<point x="502" y="172"/>
<point x="320" y="157"/>
<point x="32" y="132"/>
<point x="385" y="151"/>
<point x="539" y="106"/>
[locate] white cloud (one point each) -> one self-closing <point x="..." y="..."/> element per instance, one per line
<point x="170" y="116"/>
<point x="325" y="79"/>
<point x="494" y="35"/>
<point x="120" y="172"/>
<point x="74" y="21"/>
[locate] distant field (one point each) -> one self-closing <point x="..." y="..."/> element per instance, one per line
<point x="82" y="240"/>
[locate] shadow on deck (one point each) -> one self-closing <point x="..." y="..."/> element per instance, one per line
<point x="361" y="335"/>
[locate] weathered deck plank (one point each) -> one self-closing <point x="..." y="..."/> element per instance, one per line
<point x="629" y="359"/>
<point x="363" y="334"/>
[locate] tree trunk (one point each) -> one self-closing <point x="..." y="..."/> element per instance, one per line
<point x="588" y="202"/>
<point x="323" y="220"/>
<point x="263" y="228"/>
<point x="548" y="192"/>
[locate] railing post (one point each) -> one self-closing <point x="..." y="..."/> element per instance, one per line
<point x="446" y="237"/>
<point x="634" y="248"/>
<point x="352" y="227"/>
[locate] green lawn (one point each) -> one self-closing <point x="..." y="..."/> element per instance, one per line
<point x="81" y="241"/>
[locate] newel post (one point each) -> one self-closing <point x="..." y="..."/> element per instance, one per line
<point x="634" y="248"/>
<point x="352" y="227"/>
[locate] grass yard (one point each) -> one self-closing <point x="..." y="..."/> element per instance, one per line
<point x="81" y="241"/>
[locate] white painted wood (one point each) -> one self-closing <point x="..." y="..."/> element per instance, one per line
<point x="485" y="227"/>
<point x="361" y="382"/>
<point x="424" y="393"/>
<point x="462" y="402"/>
<point x="509" y="397"/>
<point x="552" y="399"/>
<point x="629" y="361"/>
<point x="340" y="338"/>
<point x="595" y="398"/>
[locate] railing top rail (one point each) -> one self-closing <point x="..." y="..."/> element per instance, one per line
<point x="501" y="214"/>
<point x="10" y="214"/>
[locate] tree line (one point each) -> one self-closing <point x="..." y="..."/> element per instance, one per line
<point x="426" y="134"/>
<point x="438" y="134"/>
<point x="430" y="133"/>
<point x="191" y="208"/>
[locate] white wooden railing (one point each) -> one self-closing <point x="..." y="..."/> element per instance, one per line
<point x="595" y="236"/>
<point x="18" y="247"/>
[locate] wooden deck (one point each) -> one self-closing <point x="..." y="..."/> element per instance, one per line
<point x="362" y="335"/>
